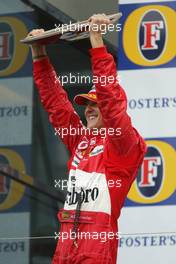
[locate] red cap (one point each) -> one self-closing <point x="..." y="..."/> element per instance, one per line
<point x="81" y="99"/>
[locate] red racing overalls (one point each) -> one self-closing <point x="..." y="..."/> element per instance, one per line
<point x="101" y="168"/>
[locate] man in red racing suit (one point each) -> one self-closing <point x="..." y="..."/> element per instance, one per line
<point x="102" y="167"/>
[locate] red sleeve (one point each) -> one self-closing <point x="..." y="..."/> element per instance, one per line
<point x="55" y="101"/>
<point x="112" y="102"/>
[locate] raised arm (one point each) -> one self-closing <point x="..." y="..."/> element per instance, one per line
<point x="53" y="97"/>
<point x="111" y="98"/>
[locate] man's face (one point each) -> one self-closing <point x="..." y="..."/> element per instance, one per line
<point x="93" y="115"/>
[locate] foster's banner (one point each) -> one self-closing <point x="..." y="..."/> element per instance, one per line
<point x="147" y="66"/>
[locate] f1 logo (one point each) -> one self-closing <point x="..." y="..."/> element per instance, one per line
<point x="149" y="171"/>
<point x="152" y="34"/>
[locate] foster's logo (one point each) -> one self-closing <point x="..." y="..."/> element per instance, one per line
<point x="156" y="181"/>
<point x="152" y="35"/>
<point x="13" y="54"/>
<point x="149" y="35"/>
<point x="149" y="180"/>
